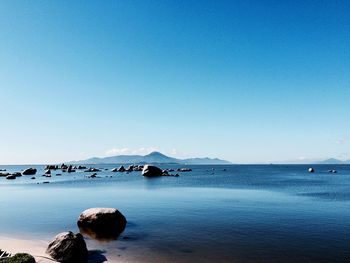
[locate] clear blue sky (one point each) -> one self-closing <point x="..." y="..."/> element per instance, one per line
<point x="247" y="81"/>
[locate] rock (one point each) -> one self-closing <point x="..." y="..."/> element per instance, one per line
<point x="17" y="174"/>
<point x="121" y="169"/>
<point x="11" y="177"/>
<point x="2" y="170"/>
<point x="165" y="173"/>
<point x="311" y="170"/>
<point x="4" y="174"/>
<point x="114" y="170"/>
<point x="48" y="172"/>
<point x="29" y="171"/>
<point x="80" y="167"/>
<point x="91" y="169"/>
<point x="32" y="178"/>
<point x="151" y="171"/>
<point x="130" y="168"/>
<point x="94" y="175"/>
<point x="332" y="171"/>
<point x="102" y="223"/>
<point x="19" y="258"/>
<point x="138" y="168"/>
<point x="68" y="248"/>
<point x="51" y="167"/>
<point x="70" y="169"/>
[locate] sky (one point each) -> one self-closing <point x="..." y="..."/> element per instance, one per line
<point x="246" y="81"/>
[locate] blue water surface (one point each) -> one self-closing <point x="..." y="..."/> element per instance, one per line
<point x="216" y="213"/>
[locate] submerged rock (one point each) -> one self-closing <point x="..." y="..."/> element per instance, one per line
<point x="151" y="171"/>
<point x="184" y="170"/>
<point x="29" y="171"/>
<point x="332" y="171"/>
<point x="102" y="223"/>
<point x="69" y="248"/>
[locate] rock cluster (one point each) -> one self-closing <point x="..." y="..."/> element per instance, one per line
<point x="130" y="168"/>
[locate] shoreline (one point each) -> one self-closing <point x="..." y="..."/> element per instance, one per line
<point x="37" y="249"/>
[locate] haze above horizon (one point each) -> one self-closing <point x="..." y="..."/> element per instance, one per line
<point x="243" y="81"/>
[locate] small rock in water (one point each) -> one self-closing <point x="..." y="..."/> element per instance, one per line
<point x="17" y="174"/>
<point x="332" y="171"/>
<point x="32" y="178"/>
<point x="91" y="169"/>
<point x="121" y="169"/>
<point x="311" y="170"/>
<point x="29" y="171"/>
<point x="94" y="175"/>
<point x="11" y="177"/>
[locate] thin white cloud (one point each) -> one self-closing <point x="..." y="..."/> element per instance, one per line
<point x="340" y="141"/>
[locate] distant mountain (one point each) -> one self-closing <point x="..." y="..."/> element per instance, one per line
<point x="334" y="161"/>
<point x="154" y="157"/>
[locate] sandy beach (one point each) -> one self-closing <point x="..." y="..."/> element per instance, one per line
<point x="36" y="248"/>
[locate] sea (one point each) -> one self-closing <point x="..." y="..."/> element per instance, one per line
<point x="214" y="213"/>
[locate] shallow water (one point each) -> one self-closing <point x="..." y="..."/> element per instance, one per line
<point x="248" y="213"/>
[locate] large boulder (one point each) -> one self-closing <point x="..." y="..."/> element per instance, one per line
<point x="29" y="171"/>
<point x="102" y="223"/>
<point x="151" y="171"/>
<point x="67" y="247"/>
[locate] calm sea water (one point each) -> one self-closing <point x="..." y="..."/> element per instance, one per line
<point x="231" y="213"/>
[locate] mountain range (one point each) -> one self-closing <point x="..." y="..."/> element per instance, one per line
<point x="334" y="161"/>
<point x="154" y="157"/>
